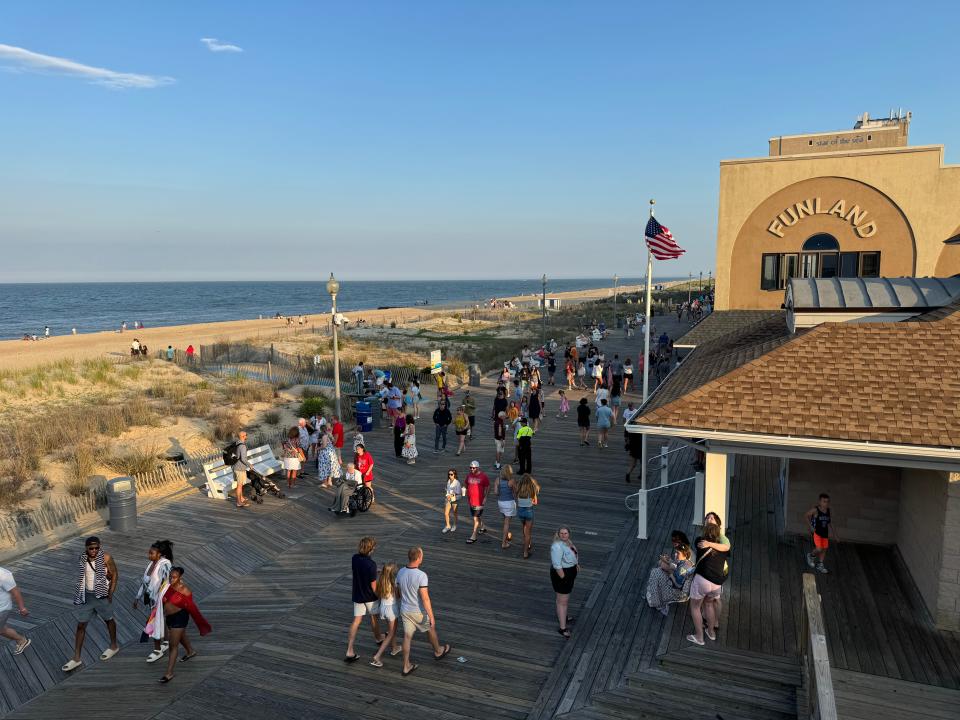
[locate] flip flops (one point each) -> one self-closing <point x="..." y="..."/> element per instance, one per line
<point x="187" y="657"/>
<point x="71" y="665"/>
<point x="693" y="639"/>
<point x="407" y="672"/>
<point x="24" y="646"/>
<point x="108" y="653"/>
<point x="350" y="658"/>
<point x="446" y="649"/>
<point x="376" y="663"/>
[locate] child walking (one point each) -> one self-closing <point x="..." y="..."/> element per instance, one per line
<point x="386" y="589"/>
<point x="819" y="518"/>
<point x="452" y="494"/>
<point x="564" y="404"/>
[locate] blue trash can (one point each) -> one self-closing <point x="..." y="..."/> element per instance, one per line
<point x="386" y="376"/>
<point x="364" y="417"/>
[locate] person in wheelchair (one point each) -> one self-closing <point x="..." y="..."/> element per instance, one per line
<point x="350" y="493"/>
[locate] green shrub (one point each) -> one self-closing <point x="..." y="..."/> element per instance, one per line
<point x="224" y="424"/>
<point x="312" y="406"/>
<point x="271" y="417"/>
<point x="81" y="465"/>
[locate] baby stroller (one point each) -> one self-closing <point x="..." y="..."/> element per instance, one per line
<point x="262" y="485"/>
<point x="361" y="500"/>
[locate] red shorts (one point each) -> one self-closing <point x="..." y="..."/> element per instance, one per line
<point x="821" y="543"/>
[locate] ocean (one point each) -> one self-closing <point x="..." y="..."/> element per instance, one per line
<point x="91" y="307"/>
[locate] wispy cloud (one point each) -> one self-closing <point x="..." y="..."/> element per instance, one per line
<point x="215" y="45"/>
<point x="21" y="59"/>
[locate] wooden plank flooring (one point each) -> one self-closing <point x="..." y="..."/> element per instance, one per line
<point x="274" y="581"/>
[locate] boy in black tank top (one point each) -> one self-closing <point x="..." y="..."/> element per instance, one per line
<point x="819" y="518"/>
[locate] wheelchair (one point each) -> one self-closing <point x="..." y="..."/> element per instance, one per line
<point x="361" y="500"/>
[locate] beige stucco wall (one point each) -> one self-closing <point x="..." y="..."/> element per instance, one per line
<point x="910" y="183"/>
<point x="923" y="502"/>
<point x="864" y="499"/>
<point x="864" y="138"/>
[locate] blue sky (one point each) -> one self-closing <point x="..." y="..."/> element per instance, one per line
<point x="422" y="139"/>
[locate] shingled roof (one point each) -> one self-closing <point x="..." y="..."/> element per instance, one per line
<point x="720" y="356"/>
<point x="721" y="323"/>
<point x="880" y="382"/>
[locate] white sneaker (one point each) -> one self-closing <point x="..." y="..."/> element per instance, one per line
<point x="453" y="529"/>
<point x="811" y="561"/>
<point x="821" y="568"/>
<point x="445" y="530"/>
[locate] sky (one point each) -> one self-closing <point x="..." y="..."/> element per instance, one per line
<point x="230" y="140"/>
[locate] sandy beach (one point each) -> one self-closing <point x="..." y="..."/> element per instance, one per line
<point x="16" y="354"/>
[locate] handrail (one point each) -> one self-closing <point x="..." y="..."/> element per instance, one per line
<point x="816" y="660"/>
<point x="670" y="452"/>
<point x="626" y="500"/>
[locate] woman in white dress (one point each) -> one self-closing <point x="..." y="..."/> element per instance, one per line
<point x="409" y="450"/>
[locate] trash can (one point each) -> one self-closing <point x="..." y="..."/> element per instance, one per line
<point x="474" y="370"/>
<point x="387" y="376"/>
<point x="364" y="419"/>
<point x="122" y="501"/>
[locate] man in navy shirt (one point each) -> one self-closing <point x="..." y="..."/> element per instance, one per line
<point x="364" y="594"/>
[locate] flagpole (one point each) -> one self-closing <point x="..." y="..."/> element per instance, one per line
<point x="642" y="495"/>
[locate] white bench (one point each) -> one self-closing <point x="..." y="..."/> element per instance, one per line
<point x="220" y="478"/>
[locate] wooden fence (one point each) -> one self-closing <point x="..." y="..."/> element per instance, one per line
<point x="817" y="681"/>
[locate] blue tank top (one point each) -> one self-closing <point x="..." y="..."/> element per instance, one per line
<point x="505" y="493"/>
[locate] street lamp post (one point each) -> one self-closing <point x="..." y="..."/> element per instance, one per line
<point x="333" y="287"/>
<point x="701" y="282"/>
<point x="615" y="281"/>
<point x="689" y="288"/>
<point x="543" y="308"/>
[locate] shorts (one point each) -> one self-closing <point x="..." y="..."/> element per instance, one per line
<point x="508" y="508"/>
<point x="821" y="543"/>
<point x="615" y="401"/>
<point x="101" y="606"/>
<point x="240" y="476"/>
<point x="464" y="431"/>
<point x="563" y="585"/>
<point x="584" y="424"/>
<point x="177" y="620"/>
<point x="388" y="611"/>
<point x="701" y="589"/>
<point x="472" y="419"/>
<point x="525" y="513"/>
<point x="361" y="609"/>
<point x="413" y="622"/>
<point x="476" y="511"/>
<point x="4" y="615"/>
<point x="499" y="444"/>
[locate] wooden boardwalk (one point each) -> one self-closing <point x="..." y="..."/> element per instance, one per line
<point x="274" y="580"/>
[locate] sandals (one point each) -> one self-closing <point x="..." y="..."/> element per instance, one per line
<point x="108" y="653"/>
<point x="71" y="665"/>
<point x="164" y="680"/>
<point x="471" y="541"/>
<point x="407" y="672"/>
<point x="710" y="634"/>
<point x="376" y="663"/>
<point x="187" y="657"/>
<point x="393" y="653"/>
<point x="154" y="656"/>
<point x="24" y="646"/>
<point x="350" y="658"/>
<point x="443" y="653"/>
<point x="693" y="639"/>
<point x="564" y="631"/>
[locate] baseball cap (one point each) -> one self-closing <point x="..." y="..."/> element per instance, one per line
<point x="475" y="464"/>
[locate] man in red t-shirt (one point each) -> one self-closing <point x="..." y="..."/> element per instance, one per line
<point x="337" y="430"/>
<point x="477" y="484"/>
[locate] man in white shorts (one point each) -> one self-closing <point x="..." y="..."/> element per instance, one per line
<point x="10" y="593"/>
<point x="416" y="612"/>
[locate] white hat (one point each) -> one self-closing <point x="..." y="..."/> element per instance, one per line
<point x="475" y="464"/>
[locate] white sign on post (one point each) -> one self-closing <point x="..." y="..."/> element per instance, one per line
<point x="436" y="364"/>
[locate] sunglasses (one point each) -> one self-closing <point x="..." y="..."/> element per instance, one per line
<point x="93" y="547"/>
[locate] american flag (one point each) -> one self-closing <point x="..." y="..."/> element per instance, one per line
<point x="660" y="241"/>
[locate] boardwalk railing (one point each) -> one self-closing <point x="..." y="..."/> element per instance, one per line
<point x="816" y="661"/>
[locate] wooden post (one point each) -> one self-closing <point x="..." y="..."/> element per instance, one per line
<point x="816" y="659"/>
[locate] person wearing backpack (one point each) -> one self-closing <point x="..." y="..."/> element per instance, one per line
<point x="235" y="455"/>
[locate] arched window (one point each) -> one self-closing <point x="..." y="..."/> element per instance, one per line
<point x="821" y="243"/>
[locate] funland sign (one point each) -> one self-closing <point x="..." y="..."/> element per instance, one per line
<point x="793" y="214"/>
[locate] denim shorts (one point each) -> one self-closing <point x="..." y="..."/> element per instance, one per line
<point x="525" y="513"/>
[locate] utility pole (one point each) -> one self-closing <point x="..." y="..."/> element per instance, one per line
<point x="543" y="308"/>
<point x="333" y="287"/>
<point x="615" y="281"/>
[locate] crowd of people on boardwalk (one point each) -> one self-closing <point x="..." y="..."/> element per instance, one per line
<point x="399" y="592"/>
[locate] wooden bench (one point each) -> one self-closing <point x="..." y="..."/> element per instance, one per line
<point x="220" y="478"/>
